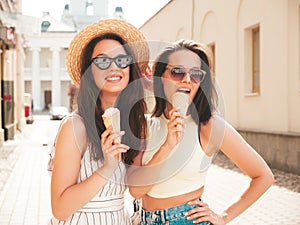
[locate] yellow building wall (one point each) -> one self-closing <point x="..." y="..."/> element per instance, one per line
<point x="276" y="108"/>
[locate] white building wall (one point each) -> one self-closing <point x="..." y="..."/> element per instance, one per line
<point x="20" y="111"/>
<point x="65" y="100"/>
<point x="101" y="8"/>
<point x="78" y="7"/>
<point x="52" y="73"/>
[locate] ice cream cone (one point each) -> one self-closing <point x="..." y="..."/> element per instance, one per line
<point x="111" y="117"/>
<point x="180" y="100"/>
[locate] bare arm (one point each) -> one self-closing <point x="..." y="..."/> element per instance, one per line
<point x="252" y="164"/>
<point x="66" y="195"/>
<point x="248" y="160"/>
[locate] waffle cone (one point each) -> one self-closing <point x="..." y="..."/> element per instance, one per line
<point x="180" y="100"/>
<point x="111" y="117"/>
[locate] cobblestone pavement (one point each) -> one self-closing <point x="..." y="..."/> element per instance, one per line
<point x="9" y="154"/>
<point x="25" y="193"/>
<point x="289" y="181"/>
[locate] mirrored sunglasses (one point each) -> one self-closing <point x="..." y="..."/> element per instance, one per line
<point x="104" y="62"/>
<point x="178" y="73"/>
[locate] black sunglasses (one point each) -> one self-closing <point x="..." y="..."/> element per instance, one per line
<point x="179" y="72"/>
<point x="104" y="62"/>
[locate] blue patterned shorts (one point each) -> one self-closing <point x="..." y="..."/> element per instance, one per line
<point x="170" y="216"/>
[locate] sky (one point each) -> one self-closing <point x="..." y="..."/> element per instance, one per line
<point x="135" y="11"/>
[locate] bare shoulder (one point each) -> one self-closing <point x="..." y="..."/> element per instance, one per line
<point x="72" y="129"/>
<point x="215" y="124"/>
<point x="75" y="123"/>
<point x="212" y="133"/>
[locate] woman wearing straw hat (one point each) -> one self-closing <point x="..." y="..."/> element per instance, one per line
<point x="104" y="60"/>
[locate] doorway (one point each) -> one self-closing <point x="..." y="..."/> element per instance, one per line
<point x="47" y="100"/>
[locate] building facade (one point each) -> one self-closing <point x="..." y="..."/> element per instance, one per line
<point x="45" y="74"/>
<point x="46" y="77"/>
<point x="11" y="55"/>
<point x="256" y="46"/>
<point x="80" y="13"/>
<point x="32" y="59"/>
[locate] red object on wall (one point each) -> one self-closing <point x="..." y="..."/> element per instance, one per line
<point x="7" y="97"/>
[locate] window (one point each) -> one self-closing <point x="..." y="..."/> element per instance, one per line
<point x="255" y="60"/>
<point x="213" y="50"/>
<point x="252" y="60"/>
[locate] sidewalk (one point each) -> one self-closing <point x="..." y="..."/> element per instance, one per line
<point x="25" y="197"/>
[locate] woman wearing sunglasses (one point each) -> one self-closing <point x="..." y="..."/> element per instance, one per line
<point x="170" y="175"/>
<point x="105" y="60"/>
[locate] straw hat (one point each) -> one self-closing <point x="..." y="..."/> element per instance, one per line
<point x="129" y="33"/>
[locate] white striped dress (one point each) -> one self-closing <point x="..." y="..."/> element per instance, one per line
<point x="107" y="207"/>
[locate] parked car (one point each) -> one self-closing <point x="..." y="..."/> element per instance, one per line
<point x="58" y="112"/>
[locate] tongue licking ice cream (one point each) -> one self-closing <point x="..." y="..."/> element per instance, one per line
<point x="111" y="117"/>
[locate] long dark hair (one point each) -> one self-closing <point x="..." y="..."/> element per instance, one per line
<point x="205" y="100"/>
<point x="130" y="103"/>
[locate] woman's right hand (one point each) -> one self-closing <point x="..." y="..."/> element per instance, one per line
<point x="112" y="151"/>
<point x="175" y="129"/>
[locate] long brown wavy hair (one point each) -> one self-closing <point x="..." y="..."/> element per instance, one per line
<point x="130" y="102"/>
<point x="205" y="100"/>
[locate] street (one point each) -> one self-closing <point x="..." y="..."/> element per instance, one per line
<point x="25" y="198"/>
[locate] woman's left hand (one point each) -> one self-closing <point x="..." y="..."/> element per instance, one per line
<point x="203" y="213"/>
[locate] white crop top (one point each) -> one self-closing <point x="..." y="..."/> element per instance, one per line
<point x="186" y="167"/>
